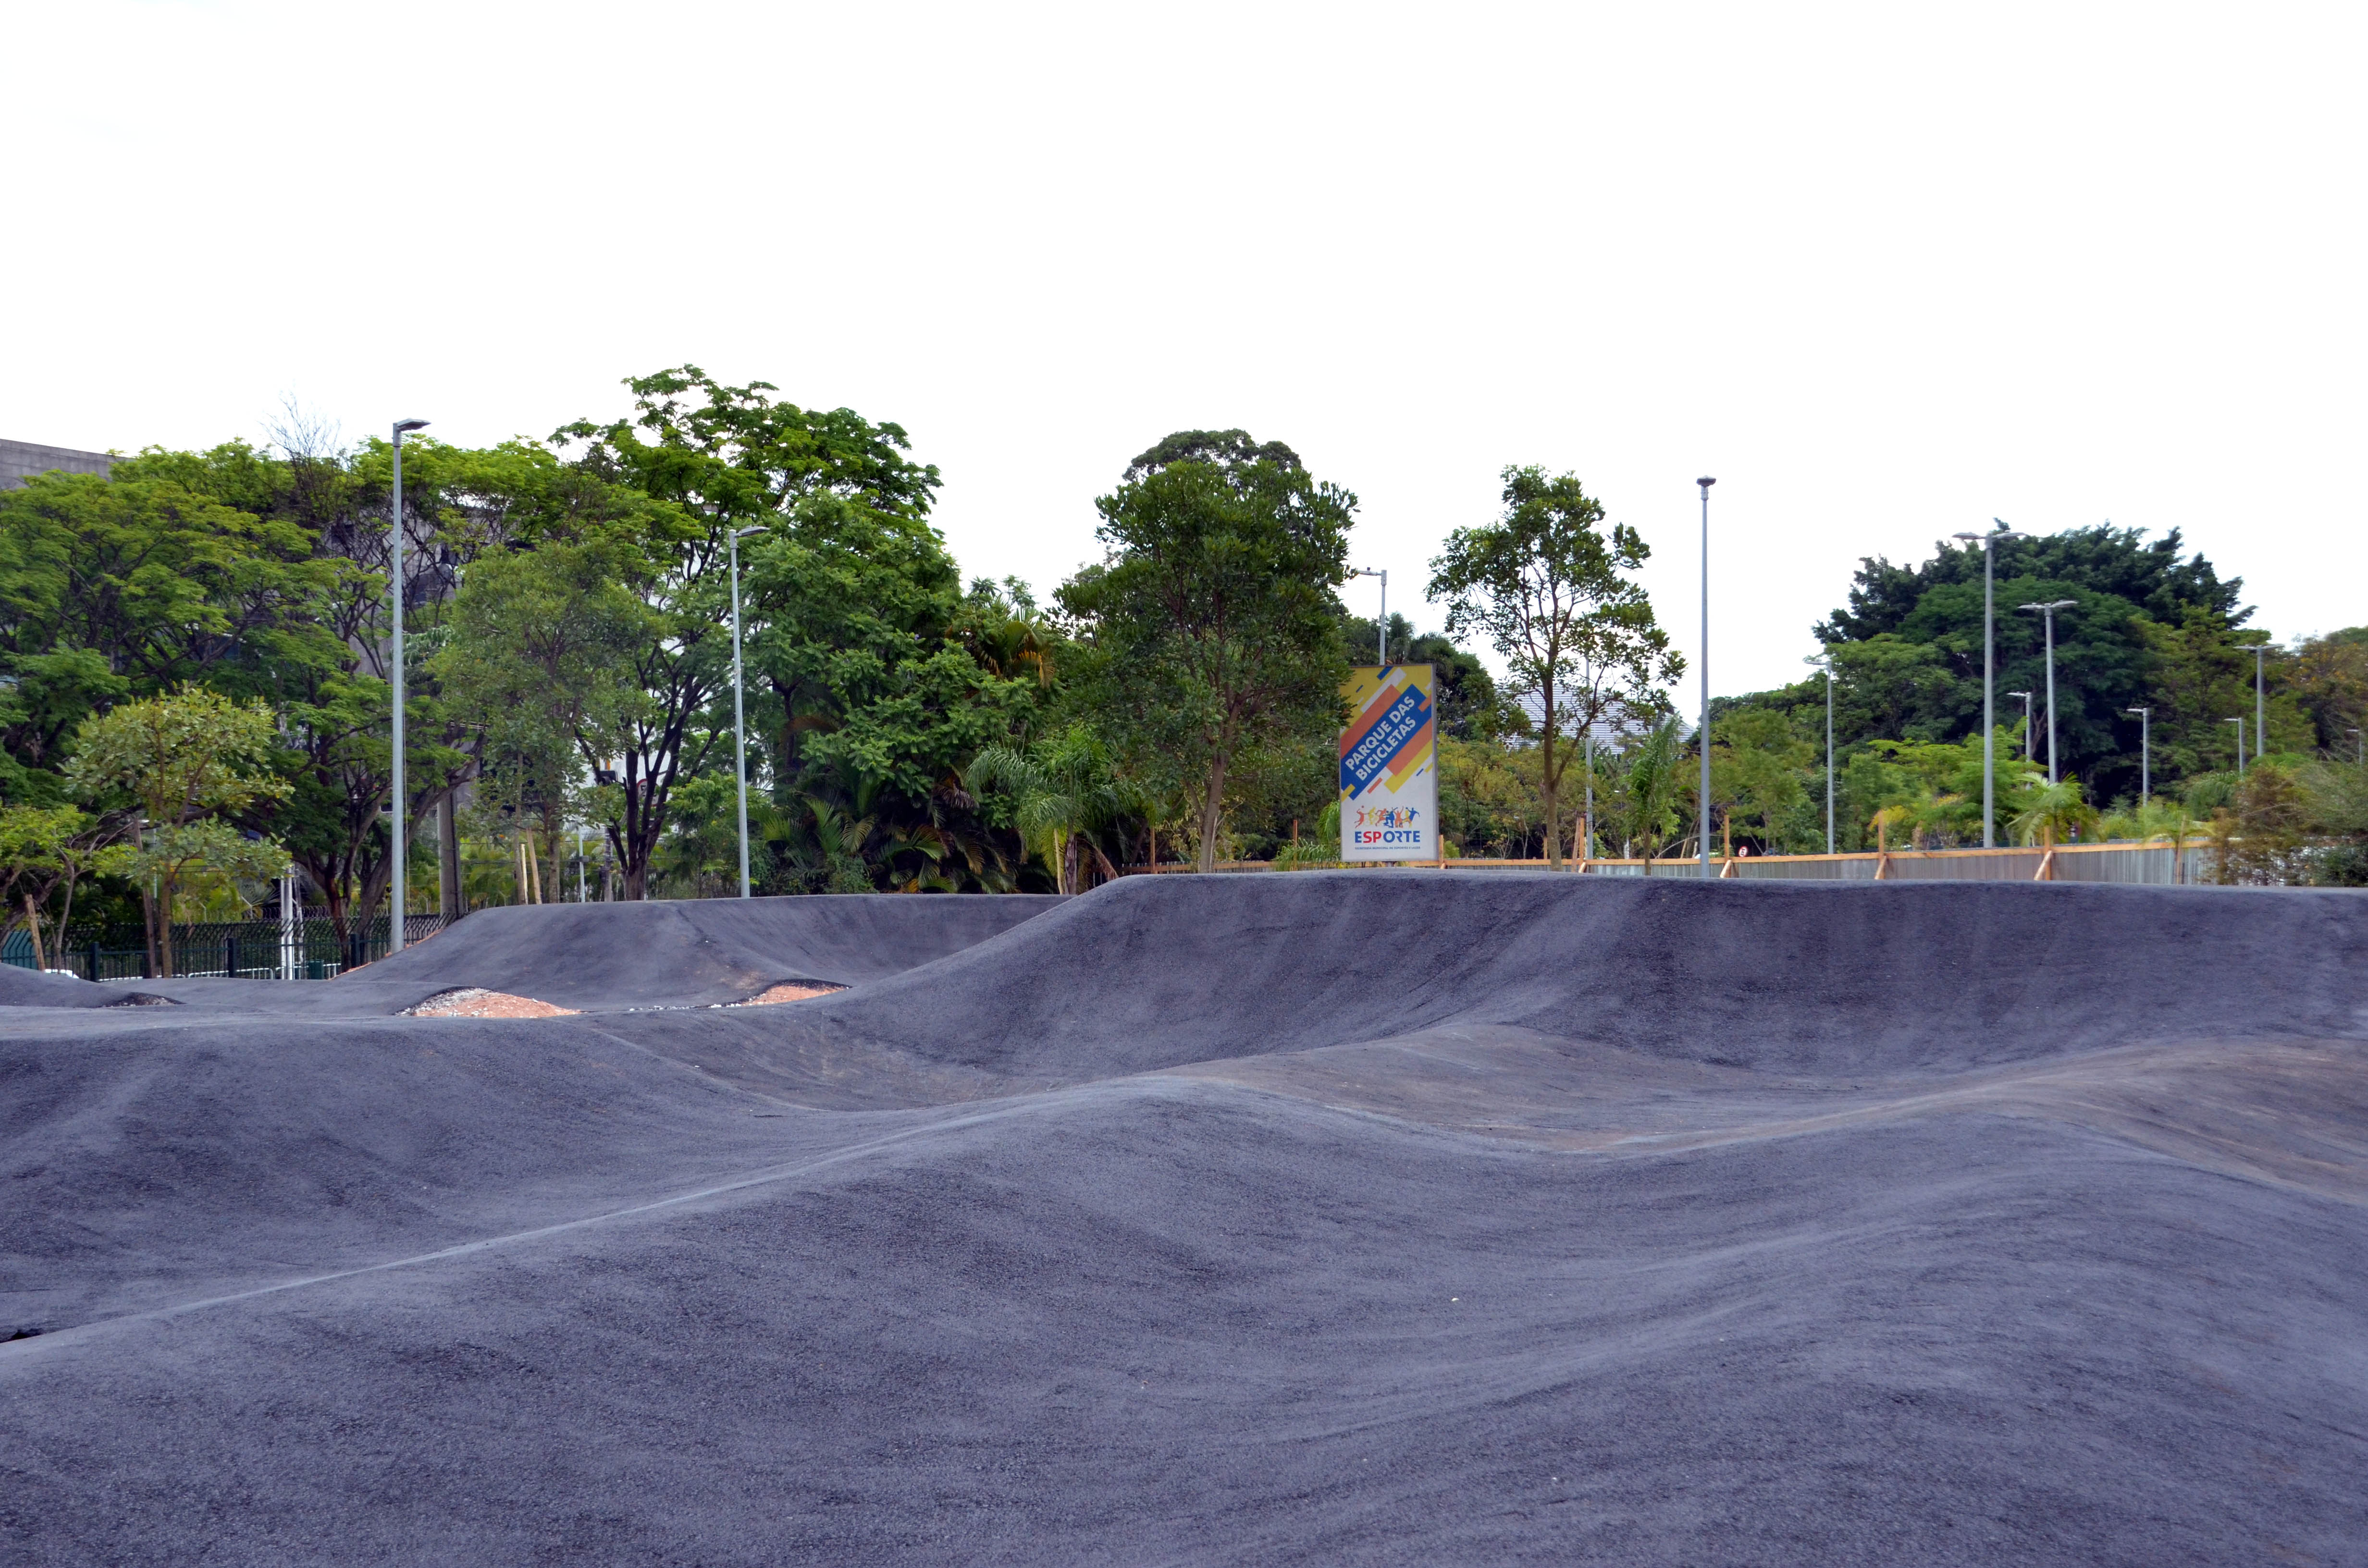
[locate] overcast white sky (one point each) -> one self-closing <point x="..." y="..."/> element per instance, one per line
<point x="1885" y="271"/>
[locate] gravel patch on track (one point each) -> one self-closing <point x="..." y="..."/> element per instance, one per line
<point x="476" y="1002"/>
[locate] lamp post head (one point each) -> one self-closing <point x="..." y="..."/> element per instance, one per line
<point x="2053" y="605"/>
<point x="402" y="426"/>
<point x="2137" y="710"/>
<point x="745" y="533"/>
<point x="2024" y="695"/>
<point x="1706" y="484"/>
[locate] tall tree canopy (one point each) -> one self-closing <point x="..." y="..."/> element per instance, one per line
<point x="1212" y="623"/>
<point x="720" y="459"/>
<point x="1909" y="646"/>
<point x="1547" y="584"/>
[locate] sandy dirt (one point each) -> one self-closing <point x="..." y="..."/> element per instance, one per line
<point x="477" y="1002"/>
<point x="786" y="991"/>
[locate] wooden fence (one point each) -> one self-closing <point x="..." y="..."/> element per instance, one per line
<point x="2154" y="864"/>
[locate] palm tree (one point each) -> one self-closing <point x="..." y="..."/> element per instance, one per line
<point x="1650" y="811"/>
<point x="2051" y="811"/>
<point x="1064" y="790"/>
<point x="1926" y="817"/>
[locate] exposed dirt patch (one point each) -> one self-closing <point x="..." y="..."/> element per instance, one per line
<point x="476" y="1002"/>
<point x="787" y="992"/>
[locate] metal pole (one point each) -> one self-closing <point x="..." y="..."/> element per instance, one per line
<point x="1989" y="717"/>
<point x="579" y="867"/>
<point x="1989" y="542"/>
<point x="739" y="723"/>
<point x="2261" y="705"/>
<point x="2048" y="610"/>
<point x="1830" y="752"/>
<point x="2029" y="740"/>
<point x="1589" y="852"/>
<point x="1702" y="803"/>
<point x="2051" y="696"/>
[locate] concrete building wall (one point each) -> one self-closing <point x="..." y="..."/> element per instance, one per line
<point x="19" y="460"/>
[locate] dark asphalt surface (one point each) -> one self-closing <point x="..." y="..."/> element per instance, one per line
<point x="1398" y="1217"/>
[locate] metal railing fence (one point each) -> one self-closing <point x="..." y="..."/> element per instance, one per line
<point x="243" y="949"/>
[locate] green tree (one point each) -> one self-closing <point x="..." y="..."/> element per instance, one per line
<point x="2329" y="679"/>
<point x="1064" y="790"/>
<point x="1547" y="585"/>
<point x="862" y="637"/>
<point x="135" y="585"/>
<point x="1211" y="629"/>
<point x="2125" y="588"/>
<point x="183" y="760"/>
<point x="44" y="850"/>
<point x="1648" y="789"/>
<point x="1758" y="770"/>
<point x="717" y="458"/>
<point x="539" y="663"/>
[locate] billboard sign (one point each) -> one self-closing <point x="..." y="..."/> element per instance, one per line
<point x="1389" y="766"/>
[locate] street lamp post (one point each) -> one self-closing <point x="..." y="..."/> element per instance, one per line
<point x="1989" y="542"/>
<point x="2145" y="752"/>
<point x="2261" y="705"/>
<point x="1824" y="662"/>
<point x="1588" y="851"/>
<point x="739" y="720"/>
<point x="2029" y="741"/>
<point x="2048" y="610"/>
<point x="1381" y="616"/>
<point x="1701" y="802"/>
<point x="2240" y="722"/>
<point x="401" y="789"/>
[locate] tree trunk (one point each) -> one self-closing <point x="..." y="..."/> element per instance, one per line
<point x="1213" y="813"/>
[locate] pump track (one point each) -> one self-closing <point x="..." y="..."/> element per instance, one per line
<point x="1414" y="1217"/>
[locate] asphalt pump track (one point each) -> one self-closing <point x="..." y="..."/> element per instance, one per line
<point x="1401" y="1217"/>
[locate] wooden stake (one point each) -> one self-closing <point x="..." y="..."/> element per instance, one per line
<point x="33" y="923"/>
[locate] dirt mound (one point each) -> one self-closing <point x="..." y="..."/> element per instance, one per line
<point x="1153" y="973"/>
<point x="606" y="957"/>
<point x="476" y="1002"/>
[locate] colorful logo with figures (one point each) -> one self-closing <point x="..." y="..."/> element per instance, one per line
<point x="1389" y="766"/>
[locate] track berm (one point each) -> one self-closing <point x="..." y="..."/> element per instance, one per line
<point x="1407" y="1217"/>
